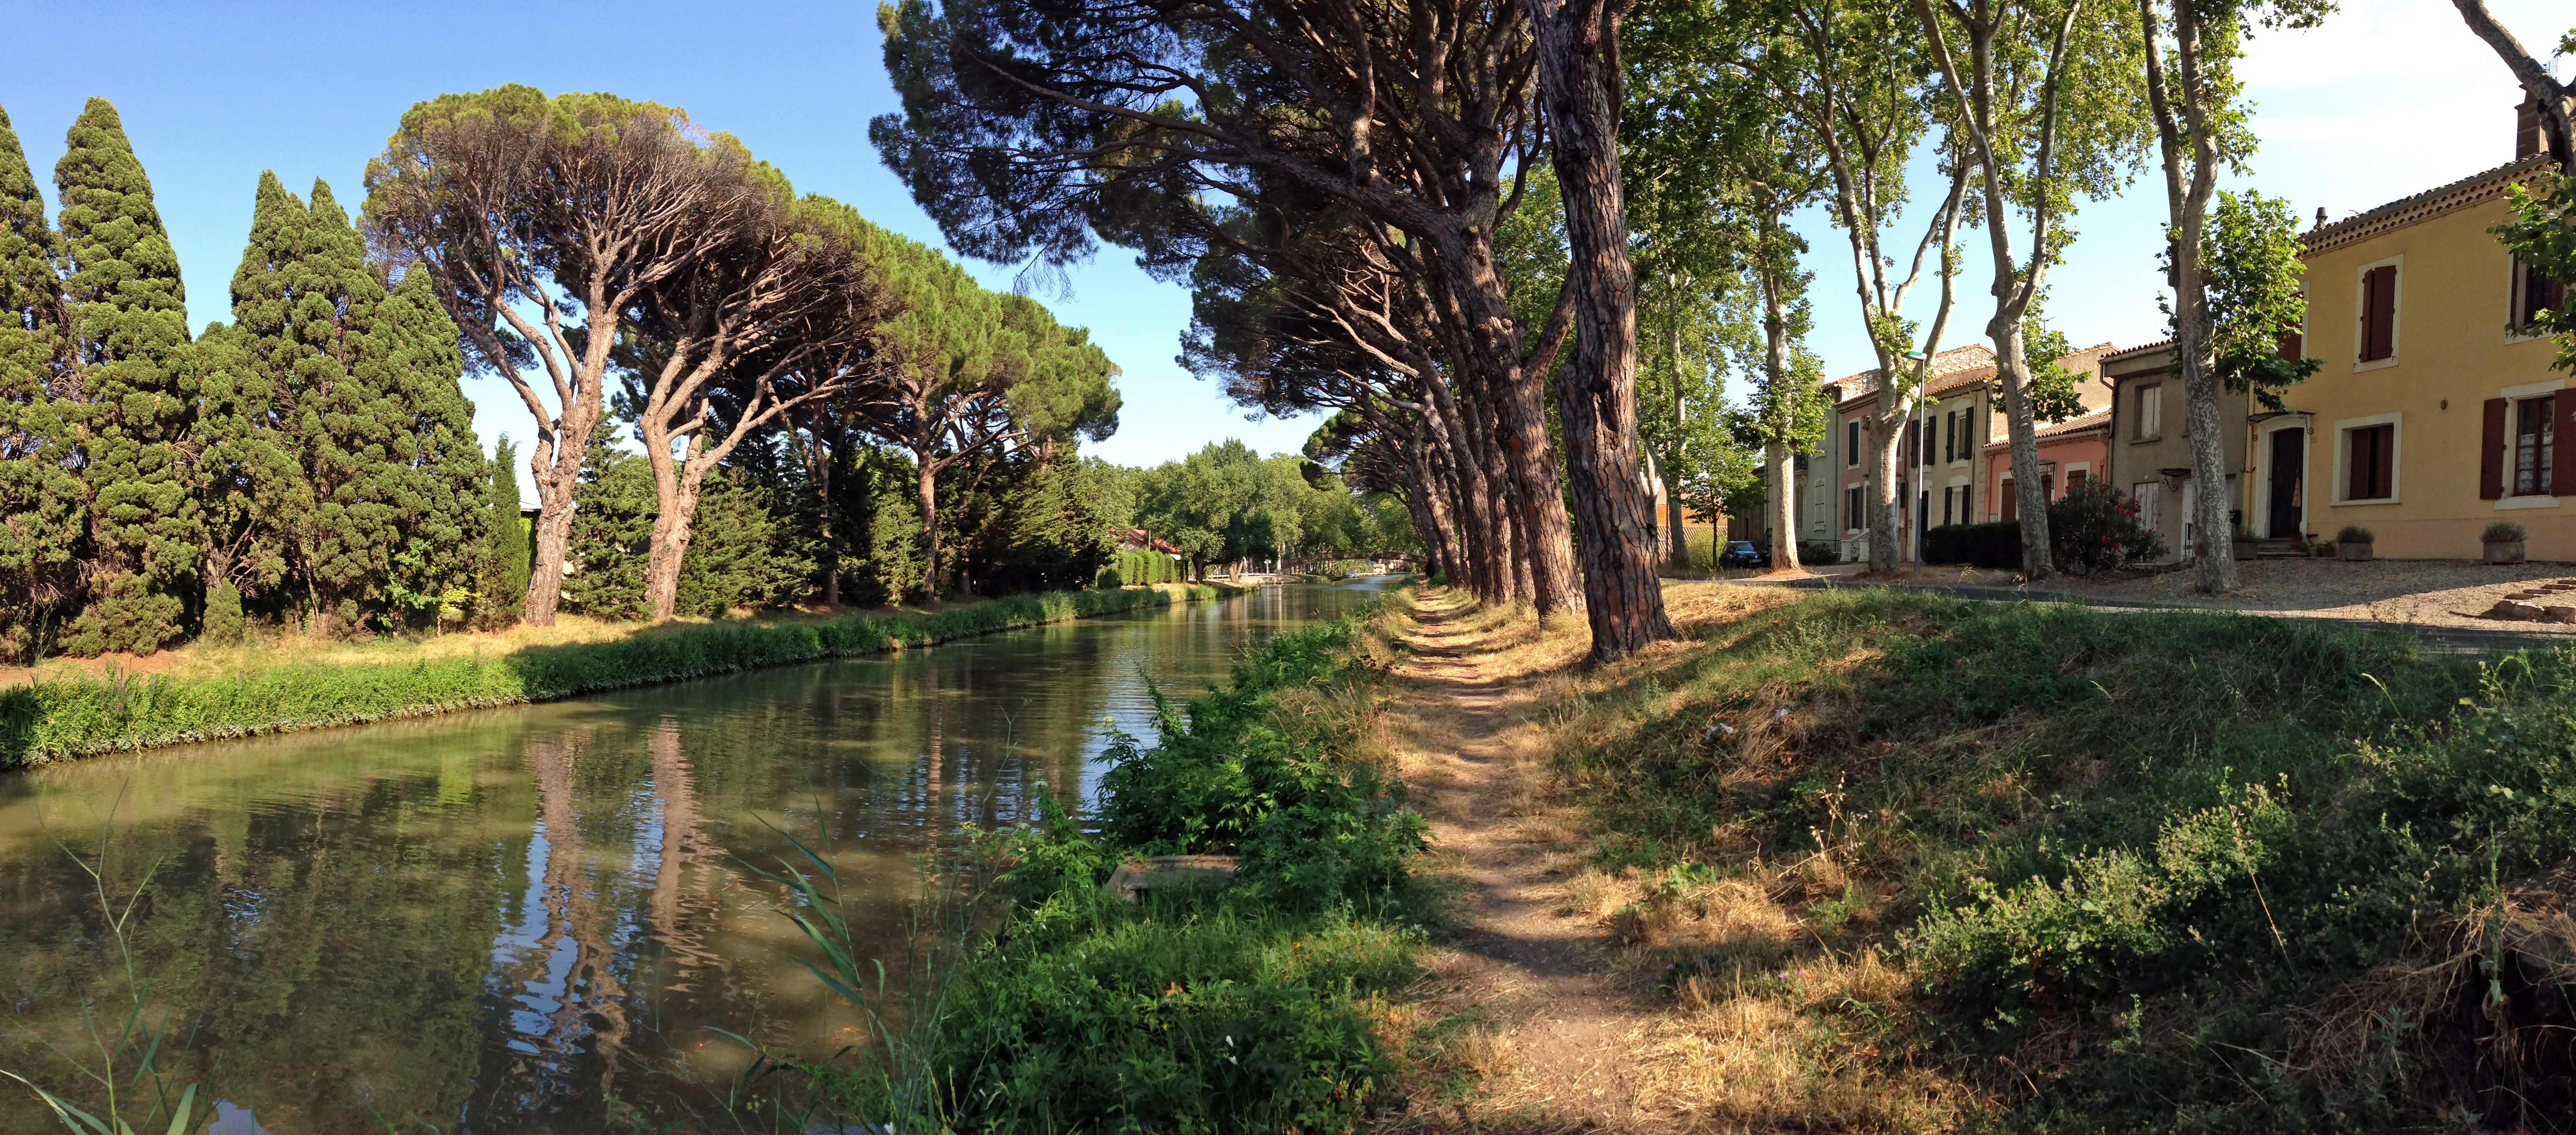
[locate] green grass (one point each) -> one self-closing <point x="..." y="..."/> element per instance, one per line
<point x="56" y="719"/>
<point x="2168" y="871"/>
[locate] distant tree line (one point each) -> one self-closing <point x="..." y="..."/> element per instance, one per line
<point x="826" y="410"/>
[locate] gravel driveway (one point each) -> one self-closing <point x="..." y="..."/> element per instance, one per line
<point x="2439" y="593"/>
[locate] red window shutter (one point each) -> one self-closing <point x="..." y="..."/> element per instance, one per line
<point x="2491" y="453"/>
<point x="2379" y="313"/>
<point x="2291" y="345"/>
<point x="2562" y="466"/>
<point x="2356" y="464"/>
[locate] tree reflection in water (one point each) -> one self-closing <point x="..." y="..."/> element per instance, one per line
<point x="497" y="921"/>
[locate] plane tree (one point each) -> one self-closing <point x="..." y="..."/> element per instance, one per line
<point x="2046" y="103"/>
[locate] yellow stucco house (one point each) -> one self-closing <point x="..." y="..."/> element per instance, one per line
<point x="2430" y="419"/>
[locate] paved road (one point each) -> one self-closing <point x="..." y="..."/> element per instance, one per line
<point x="2467" y="640"/>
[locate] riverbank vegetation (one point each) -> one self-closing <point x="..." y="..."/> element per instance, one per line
<point x="248" y="692"/>
<point x="1263" y="1003"/>
<point x="1891" y="862"/>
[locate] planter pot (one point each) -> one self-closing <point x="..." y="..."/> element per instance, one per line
<point x="2357" y="553"/>
<point x="2244" y="549"/>
<point x="2504" y="551"/>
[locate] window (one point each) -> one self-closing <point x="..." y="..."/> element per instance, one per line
<point x="2074" y="478"/>
<point x="2535" y="436"/>
<point x="2379" y="314"/>
<point x="2148" y="494"/>
<point x="2370" y="462"/>
<point x="1851" y="442"/>
<point x="2534" y="293"/>
<point x="1851" y="508"/>
<point x="2151" y="412"/>
<point x="1946" y="496"/>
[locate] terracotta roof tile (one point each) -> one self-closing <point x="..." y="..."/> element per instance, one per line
<point x="2432" y="202"/>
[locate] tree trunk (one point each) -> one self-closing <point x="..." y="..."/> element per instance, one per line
<point x="1776" y="375"/>
<point x="1461" y="444"/>
<point x="2030" y="496"/>
<point x="1517" y="403"/>
<point x="929" y="503"/>
<point x="555" y="481"/>
<point x="1596" y="394"/>
<point x="1887" y="458"/>
<point x="831" y="536"/>
<point x="1784" y="508"/>
<point x="2187" y="205"/>
<point x="676" y="487"/>
<point x="1510" y="575"/>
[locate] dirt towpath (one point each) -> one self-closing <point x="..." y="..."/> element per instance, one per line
<point x="1559" y="1035"/>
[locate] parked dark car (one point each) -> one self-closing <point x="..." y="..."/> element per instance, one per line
<point x="1743" y="554"/>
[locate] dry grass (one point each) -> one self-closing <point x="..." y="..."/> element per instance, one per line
<point x="1745" y="1019"/>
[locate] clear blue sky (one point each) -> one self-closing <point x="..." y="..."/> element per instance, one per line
<point x="2392" y="97"/>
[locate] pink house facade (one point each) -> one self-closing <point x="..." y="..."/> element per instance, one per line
<point x="2071" y="453"/>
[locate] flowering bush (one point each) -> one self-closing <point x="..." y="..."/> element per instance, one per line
<point x="2094" y="527"/>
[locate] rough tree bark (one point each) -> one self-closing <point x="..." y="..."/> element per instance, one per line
<point x="1580" y="85"/>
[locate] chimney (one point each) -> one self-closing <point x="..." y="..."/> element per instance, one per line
<point x="2527" y="136"/>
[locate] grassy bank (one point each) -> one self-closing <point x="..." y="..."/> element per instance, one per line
<point x="57" y="718"/>
<point x="1892" y="862"/>
<point x="1258" y="1005"/>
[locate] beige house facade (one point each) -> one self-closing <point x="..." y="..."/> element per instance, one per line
<point x="2431" y="417"/>
<point x="2150" y="445"/>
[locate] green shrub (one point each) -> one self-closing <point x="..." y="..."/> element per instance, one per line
<point x="2095" y="528"/>
<point x="1108" y="579"/>
<point x="2502" y="532"/>
<point x="223" y="615"/>
<point x="1251" y="1007"/>
<point x="127" y="612"/>
<point x="2353" y="534"/>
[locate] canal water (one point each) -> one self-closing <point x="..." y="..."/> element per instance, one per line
<point x="502" y="920"/>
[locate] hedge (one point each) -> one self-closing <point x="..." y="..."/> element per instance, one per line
<point x="1995" y="544"/>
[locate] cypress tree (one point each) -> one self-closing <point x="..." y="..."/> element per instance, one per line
<point x="502" y="548"/>
<point x="41" y="518"/>
<point x="250" y="488"/>
<point x="429" y="464"/>
<point x="132" y="379"/>
<point x="351" y="441"/>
